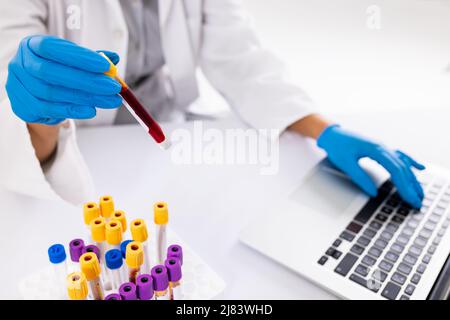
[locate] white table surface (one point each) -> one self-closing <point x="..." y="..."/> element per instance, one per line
<point x="209" y="205"/>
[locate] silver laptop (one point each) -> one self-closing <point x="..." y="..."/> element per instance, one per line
<point x="357" y="247"/>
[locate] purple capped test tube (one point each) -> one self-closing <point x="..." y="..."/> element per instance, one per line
<point x="175" y="251"/>
<point x="128" y="291"/>
<point x="113" y="296"/>
<point x="160" y="282"/>
<point x="76" y="249"/>
<point x="144" y="284"/>
<point x="173" y="266"/>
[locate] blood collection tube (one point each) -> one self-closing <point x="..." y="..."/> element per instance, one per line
<point x="123" y="247"/>
<point x="175" y="251"/>
<point x="113" y="232"/>
<point x="101" y="259"/>
<point x="134" y="259"/>
<point x="57" y="256"/>
<point x="119" y="215"/>
<point x="144" y="285"/>
<point x="161" y="218"/>
<point x="98" y="235"/>
<point x="106" y="207"/>
<point x="92" y="249"/>
<point x="75" y="249"/>
<point x="128" y="291"/>
<point x="114" y="263"/>
<point x="91" y="268"/>
<point x="137" y="110"/>
<point x="173" y="266"/>
<point x="91" y="211"/>
<point x="139" y="233"/>
<point x="160" y="282"/>
<point x="113" y="296"/>
<point x="77" y="287"/>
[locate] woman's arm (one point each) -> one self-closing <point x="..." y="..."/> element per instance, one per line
<point x="44" y="139"/>
<point x="310" y="126"/>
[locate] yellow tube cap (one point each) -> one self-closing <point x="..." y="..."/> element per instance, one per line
<point x="98" y="229"/>
<point x="139" y="230"/>
<point x="113" y="232"/>
<point x="90" y="266"/>
<point x="161" y="213"/>
<point x="90" y="212"/>
<point x="134" y="256"/>
<point x="77" y="287"/>
<point x="119" y="215"/>
<point x="106" y="206"/>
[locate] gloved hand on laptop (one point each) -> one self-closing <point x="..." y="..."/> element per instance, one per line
<point x="52" y="79"/>
<point x="345" y="149"/>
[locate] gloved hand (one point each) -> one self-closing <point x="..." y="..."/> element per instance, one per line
<point x="344" y="149"/>
<point x="52" y="79"/>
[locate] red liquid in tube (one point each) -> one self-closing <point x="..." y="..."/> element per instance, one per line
<point x="153" y="127"/>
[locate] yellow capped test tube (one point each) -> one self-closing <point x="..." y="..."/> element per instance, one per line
<point x="106" y="206"/>
<point x="134" y="258"/>
<point x="161" y="218"/>
<point x="91" y="269"/>
<point x="98" y="234"/>
<point x="120" y="216"/>
<point x="77" y="286"/>
<point x="139" y="233"/>
<point x="91" y="211"/>
<point x="113" y="232"/>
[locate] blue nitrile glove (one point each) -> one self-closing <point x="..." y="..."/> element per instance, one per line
<point x="52" y="79"/>
<point x="344" y="149"/>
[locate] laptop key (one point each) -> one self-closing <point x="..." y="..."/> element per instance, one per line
<point x="346" y="264"/>
<point x="408" y="231"/>
<point x="403" y="211"/>
<point x="420" y="241"/>
<point x="354" y="227"/>
<point x="431" y="249"/>
<point x="415" y="251"/>
<point x="386" y="235"/>
<point x="404" y="268"/>
<point x="366" y="284"/>
<point x="437" y="240"/>
<point x="415" y="278"/>
<point x="362" y="270"/>
<point x="410" y="289"/>
<point x="375" y="225"/>
<point x="390" y="291"/>
<point x="398" y="278"/>
<point x="322" y="260"/>
<point x="380" y="243"/>
<point x="413" y="224"/>
<point x="391" y="227"/>
<point x="381" y="217"/>
<point x="347" y="236"/>
<point x="425" y="233"/>
<point x="397" y="247"/>
<point x="421" y="268"/>
<point x="369" y="233"/>
<point x="397" y="219"/>
<point x="374" y="251"/>
<point x="385" y="265"/>
<point x="429" y="225"/>
<point x="369" y="261"/>
<point x="410" y="259"/>
<point x="337" y="243"/>
<point x="363" y="241"/>
<point x="404" y="297"/>
<point x="426" y="258"/>
<point x="391" y="256"/>
<point x="402" y="239"/>
<point x="387" y="210"/>
<point x="357" y="249"/>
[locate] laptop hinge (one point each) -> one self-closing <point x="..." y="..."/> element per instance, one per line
<point x="441" y="287"/>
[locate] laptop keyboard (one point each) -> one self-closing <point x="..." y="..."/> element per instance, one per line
<point x="390" y="244"/>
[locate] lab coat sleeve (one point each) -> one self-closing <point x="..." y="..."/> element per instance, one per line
<point x="252" y="80"/>
<point x="66" y="176"/>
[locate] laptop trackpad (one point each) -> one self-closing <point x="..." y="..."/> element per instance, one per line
<point x="326" y="191"/>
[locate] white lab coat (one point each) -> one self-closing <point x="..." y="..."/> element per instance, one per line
<point x="215" y="35"/>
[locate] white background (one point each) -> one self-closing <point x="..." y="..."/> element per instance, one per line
<point x="348" y="67"/>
